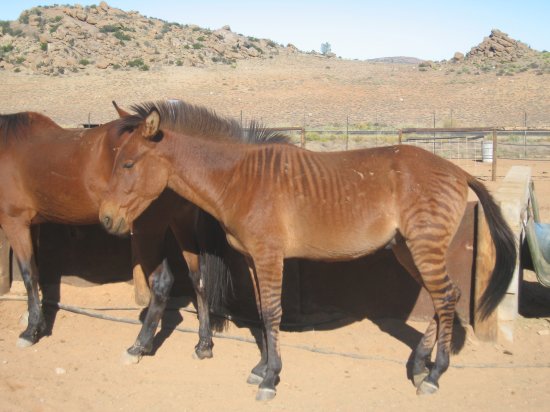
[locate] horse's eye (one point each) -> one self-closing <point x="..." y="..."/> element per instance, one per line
<point x="128" y="164"/>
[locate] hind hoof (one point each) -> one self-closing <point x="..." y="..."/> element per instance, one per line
<point x="24" y="343"/>
<point x="130" y="359"/>
<point x="427" y="388"/>
<point x="265" y="394"/>
<point x="254" y="379"/>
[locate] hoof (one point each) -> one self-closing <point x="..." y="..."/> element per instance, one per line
<point x="202" y="354"/>
<point x="265" y="394"/>
<point x="254" y="379"/>
<point x="23" y="343"/>
<point x="130" y="359"/>
<point x="427" y="388"/>
<point x="418" y="379"/>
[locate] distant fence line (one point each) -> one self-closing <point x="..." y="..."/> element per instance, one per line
<point x="486" y="144"/>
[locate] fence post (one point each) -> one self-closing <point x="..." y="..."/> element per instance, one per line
<point x="400" y="136"/>
<point x="4" y="264"/>
<point x="347" y="131"/>
<point x="303" y="138"/>
<point x="494" y="171"/>
<point x="485" y="329"/>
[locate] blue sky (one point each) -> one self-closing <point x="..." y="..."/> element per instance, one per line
<point x="355" y="29"/>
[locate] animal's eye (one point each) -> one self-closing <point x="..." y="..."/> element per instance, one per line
<point x="128" y="164"/>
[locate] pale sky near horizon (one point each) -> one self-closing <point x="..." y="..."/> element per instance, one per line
<point x="355" y="29"/>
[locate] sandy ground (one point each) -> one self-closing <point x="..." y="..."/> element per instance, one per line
<point x="79" y="366"/>
<point x="354" y="368"/>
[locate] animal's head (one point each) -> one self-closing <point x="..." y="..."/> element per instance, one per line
<point x="139" y="175"/>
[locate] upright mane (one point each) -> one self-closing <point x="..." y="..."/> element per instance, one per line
<point x="16" y="126"/>
<point x="181" y="117"/>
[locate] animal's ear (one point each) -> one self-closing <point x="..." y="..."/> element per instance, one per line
<point x="151" y="125"/>
<point x="121" y="112"/>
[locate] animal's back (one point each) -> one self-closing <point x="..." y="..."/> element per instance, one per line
<point x="340" y="204"/>
<point x="45" y="171"/>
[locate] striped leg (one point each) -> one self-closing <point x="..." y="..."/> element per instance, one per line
<point x="445" y="308"/>
<point x="258" y="372"/>
<point x="444" y="296"/>
<point x="269" y="271"/>
<point x="428" y="247"/>
<point x="423" y="352"/>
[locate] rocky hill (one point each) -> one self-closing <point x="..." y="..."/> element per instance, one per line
<point x="64" y="39"/>
<point x="499" y="52"/>
<point x="500" y="47"/>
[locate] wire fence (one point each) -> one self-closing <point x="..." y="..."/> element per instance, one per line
<point x="455" y="143"/>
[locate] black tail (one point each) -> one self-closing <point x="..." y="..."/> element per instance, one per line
<point x="215" y="273"/>
<point x="217" y="281"/>
<point x="505" y="248"/>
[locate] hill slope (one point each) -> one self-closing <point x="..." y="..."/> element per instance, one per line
<point x="58" y="39"/>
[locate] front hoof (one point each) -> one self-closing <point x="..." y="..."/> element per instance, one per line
<point x="130" y="359"/>
<point x="254" y="379"/>
<point x="202" y="353"/>
<point x="427" y="388"/>
<point x="419" y="378"/>
<point x="265" y="394"/>
<point x="24" y="343"/>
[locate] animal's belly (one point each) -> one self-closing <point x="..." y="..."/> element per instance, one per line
<point x="340" y="243"/>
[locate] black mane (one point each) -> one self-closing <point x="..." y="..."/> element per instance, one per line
<point x="12" y="126"/>
<point x="182" y="117"/>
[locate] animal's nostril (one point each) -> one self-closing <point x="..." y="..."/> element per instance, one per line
<point x="107" y="222"/>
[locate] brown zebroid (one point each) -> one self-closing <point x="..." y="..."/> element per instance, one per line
<point x="52" y="174"/>
<point x="279" y="201"/>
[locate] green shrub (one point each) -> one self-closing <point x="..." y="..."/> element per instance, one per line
<point x="109" y="28"/>
<point x="7" y="48"/>
<point x="84" y="62"/>
<point x="44" y="46"/>
<point x="20" y="60"/>
<point x="116" y="66"/>
<point x="136" y="63"/>
<point x="121" y="36"/>
<point x="198" y="46"/>
<point x="144" y="67"/>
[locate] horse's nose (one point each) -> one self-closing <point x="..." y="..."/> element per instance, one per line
<point x="107" y="221"/>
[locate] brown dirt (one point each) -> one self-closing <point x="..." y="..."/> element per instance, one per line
<point x="292" y="91"/>
<point x="79" y="366"/>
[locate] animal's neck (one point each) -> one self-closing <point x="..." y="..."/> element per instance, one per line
<point x="202" y="169"/>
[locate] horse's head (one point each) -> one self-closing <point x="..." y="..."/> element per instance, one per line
<point x="139" y="173"/>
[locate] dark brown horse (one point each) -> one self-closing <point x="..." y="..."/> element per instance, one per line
<point x="279" y="201"/>
<point x="52" y="174"/>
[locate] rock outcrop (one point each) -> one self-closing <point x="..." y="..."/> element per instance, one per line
<point x="501" y="48"/>
<point x="64" y="39"/>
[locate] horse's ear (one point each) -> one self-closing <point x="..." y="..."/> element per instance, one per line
<point x="151" y="125"/>
<point x="121" y="112"/>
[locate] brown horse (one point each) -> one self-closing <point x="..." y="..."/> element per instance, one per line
<point x="52" y="174"/>
<point x="279" y="201"/>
